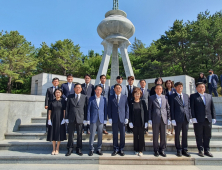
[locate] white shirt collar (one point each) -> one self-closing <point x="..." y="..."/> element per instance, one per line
<point x="69" y="83"/>
<point x="179" y="94"/>
<point x="158" y="96"/>
<point x="202" y="95"/>
<point x="118" y="95"/>
<point x="98" y="97"/>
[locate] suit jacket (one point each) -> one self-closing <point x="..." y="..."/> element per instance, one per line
<point x="199" y="110"/>
<point x="145" y="96"/>
<point x="123" y="92"/>
<point x="130" y="95"/>
<point x="156" y="112"/>
<point x="106" y="93"/>
<point x="49" y="96"/>
<point x="95" y="111"/>
<point x="144" y="112"/>
<point x="118" y="111"/>
<point x="167" y="92"/>
<point x="65" y="89"/>
<point x="178" y="110"/>
<point x="76" y="110"/>
<point x="90" y="91"/>
<point x="214" y="80"/>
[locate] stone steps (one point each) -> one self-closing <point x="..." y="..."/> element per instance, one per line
<point x="44" y="157"/>
<point x="41" y="135"/>
<point x="42" y="145"/>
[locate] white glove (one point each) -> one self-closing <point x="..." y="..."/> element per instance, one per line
<point x="105" y="121"/>
<point x="110" y="121"/>
<point x="213" y="121"/>
<point x="146" y="125"/>
<point x="131" y="125"/>
<point x="63" y="121"/>
<point x="174" y="123"/>
<point x="50" y="122"/>
<point x="194" y="120"/>
<point x="66" y="99"/>
<point x="150" y="122"/>
<point x="169" y="122"/>
<point x="191" y="121"/>
<point x="67" y="120"/>
<point x="126" y="121"/>
<point x="84" y="122"/>
<point x="88" y="122"/>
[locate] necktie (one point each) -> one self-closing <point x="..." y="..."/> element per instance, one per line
<point x="86" y="87"/>
<point x="118" y="99"/>
<point x="181" y="98"/>
<point x="142" y="91"/>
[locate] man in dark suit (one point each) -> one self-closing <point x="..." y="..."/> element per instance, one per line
<point x="212" y="81"/>
<point x="118" y="113"/>
<point x="145" y="96"/>
<point x="106" y="94"/>
<point x="130" y="87"/>
<point x="180" y="117"/>
<point x="119" y="80"/>
<point x="96" y="117"/>
<point x="88" y="90"/>
<point x="159" y="117"/>
<point x="76" y="115"/>
<point x="49" y="97"/>
<point x="203" y="116"/>
<point x="68" y="88"/>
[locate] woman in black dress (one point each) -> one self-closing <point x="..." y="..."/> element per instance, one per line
<point x="202" y="78"/>
<point x="56" y="122"/>
<point x="138" y="119"/>
<point x="158" y="80"/>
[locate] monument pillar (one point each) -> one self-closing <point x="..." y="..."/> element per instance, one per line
<point x="114" y="65"/>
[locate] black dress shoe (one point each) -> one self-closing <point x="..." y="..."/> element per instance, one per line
<point x="114" y="153"/>
<point x="69" y="152"/>
<point x="179" y="154"/>
<point x="208" y="154"/>
<point x="185" y="153"/>
<point x="162" y="154"/>
<point x="90" y="153"/>
<point x="121" y="153"/>
<point x="99" y="152"/>
<point x="79" y="152"/>
<point x="201" y="154"/>
<point x="156" y="153"/>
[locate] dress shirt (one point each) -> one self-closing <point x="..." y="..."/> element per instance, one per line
<point x="103" y="86"/>
<point x="203" y="98"/>
<point x="181" y="96"/>
<point x="159" y="99"/>
<point x="118" y="96"/>
<point x="131" y="88"/>
<point x="54" y="88"/>
<point x="210" y="77"/>
<point x="143" y="89"/>
<point x="78" y="95"/>
<point x="69" y="85"/>
<point x="97" y="100"/>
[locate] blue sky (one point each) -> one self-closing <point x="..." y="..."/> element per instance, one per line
<point x="51" y="20"/>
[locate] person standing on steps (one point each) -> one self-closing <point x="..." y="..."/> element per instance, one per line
<point x="56" y="121"/>
<point x="212" y="81"/>
<point x="76" y="115"/>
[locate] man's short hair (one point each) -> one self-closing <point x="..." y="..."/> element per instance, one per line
<point x="117" y="85"/>
<point x="69" y="75"/>
<point x="199" y="83"/>
<point x="119" y="77"/>
<point x="87" y="75"/>
<point x="98" y="86"/>
<point x="102" y="76"/>
<point x="142" y="80"/>
<point x="77" y="84"/>
<point x="178" y="83"/>
<point x="158" y="85"/>
<point x="131" y="77"/>
<point x="55" y="79"/>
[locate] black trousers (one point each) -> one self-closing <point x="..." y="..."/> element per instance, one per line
<point x="184" y="126"/>
<point x="71" y="135"/>
<point x="138" y="138"/>
<point x="85" y="128"/>
<point x="203" y="135"/>
<point x="159" y="128"/>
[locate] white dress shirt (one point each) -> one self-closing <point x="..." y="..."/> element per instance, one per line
<point x="181" y="96"/>
<point x="103" y="85"/>
<point x="210" y="77"/>
<point x="70" y="86"/>
<point x="54" y="88"/>
<point x="203" y="98"/>
<point x="98" y="100"/>
<point x="78" y="95"/>
<point x="118" y="96"/>
<point x="131" y="88"/>
<point x="159" y="99"/>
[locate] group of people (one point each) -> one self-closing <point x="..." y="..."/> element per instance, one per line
<point x="85" y="107"/>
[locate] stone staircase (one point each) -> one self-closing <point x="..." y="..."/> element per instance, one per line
<point x="30" y="141"/>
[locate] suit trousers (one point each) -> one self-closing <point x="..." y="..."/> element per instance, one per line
<point x="184" y="126"/>
<point x="93" y="127"/>
<point x="203" y="135"/>
<point x="72" y="126"/>
<point x="159" y="128"/>
<point x="212" y="89"/>
<point x="121" y="127"/>
<point x="138" y="138"/>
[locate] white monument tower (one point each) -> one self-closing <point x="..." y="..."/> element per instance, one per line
<point x="115" y="30"/>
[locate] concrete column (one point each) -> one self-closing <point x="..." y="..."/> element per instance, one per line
<point x="114" y="65"/>
<point x="105" y="60"/>
<point x="125" y="57"/>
